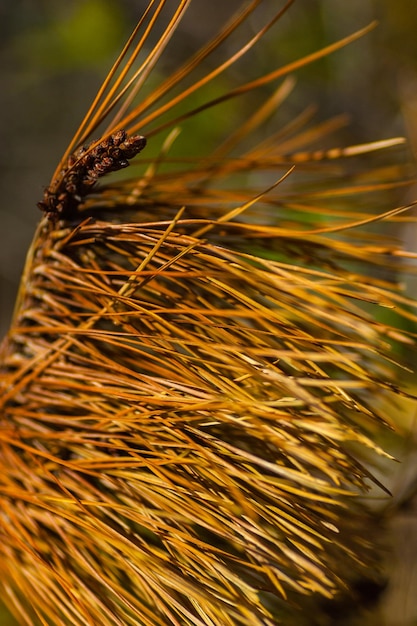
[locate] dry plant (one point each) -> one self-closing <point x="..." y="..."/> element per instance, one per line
<point x="192" y="367"/>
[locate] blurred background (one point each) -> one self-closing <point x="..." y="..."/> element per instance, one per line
<point x="54" y="55"/>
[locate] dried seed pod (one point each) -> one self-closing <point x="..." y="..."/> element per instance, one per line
<point x="83" y="169"/>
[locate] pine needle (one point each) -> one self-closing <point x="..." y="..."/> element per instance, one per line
<point x="193" y="360"/>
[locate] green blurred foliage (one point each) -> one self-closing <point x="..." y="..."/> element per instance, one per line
<point x="74" y="35"/>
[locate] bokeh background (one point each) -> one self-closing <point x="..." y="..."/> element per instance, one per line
<point x="54" y="55"/>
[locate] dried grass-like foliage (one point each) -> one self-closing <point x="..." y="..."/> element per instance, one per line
<point x="189" y="367"/>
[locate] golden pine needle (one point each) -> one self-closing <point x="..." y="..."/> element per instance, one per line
<point x="189" y="366"/>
